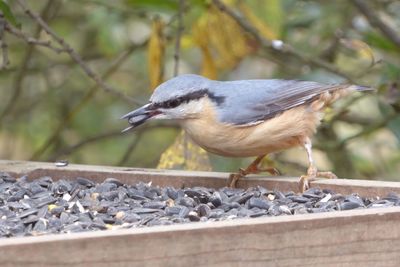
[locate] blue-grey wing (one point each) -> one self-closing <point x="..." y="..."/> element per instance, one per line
<point x="252" y="101"/>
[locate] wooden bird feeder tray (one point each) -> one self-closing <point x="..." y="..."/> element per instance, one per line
<point x="363" y="237"/>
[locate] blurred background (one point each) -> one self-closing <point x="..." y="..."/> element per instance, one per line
<point x="70" y="69"/>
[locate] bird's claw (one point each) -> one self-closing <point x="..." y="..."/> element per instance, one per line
<point x="233" y="179"/>
<point x="304" y="183"/>
<point x="326" y="175"/>
<point x="272" y="171"/>
<point x="312" y="175"/>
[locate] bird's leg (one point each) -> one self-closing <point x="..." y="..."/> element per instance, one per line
<point x="312" y="172"/>
<point x="251" y="169"/>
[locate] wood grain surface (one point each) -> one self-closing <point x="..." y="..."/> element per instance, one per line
<point x="176" y="178"/>
<point x="346" y="238"/>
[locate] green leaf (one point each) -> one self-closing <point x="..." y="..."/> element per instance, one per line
<point x="165" y="5"/>
<point x="379" y="41"/>
<point x="394" y="126"/>
<point x="161" y="5"/>
<point x="270" y="12"/>
<point x="8" y="15"/>
<point x="391" y="73"/>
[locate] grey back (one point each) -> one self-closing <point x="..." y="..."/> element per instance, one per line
<point x="245" y="101"/>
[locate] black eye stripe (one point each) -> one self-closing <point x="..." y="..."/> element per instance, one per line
<point x="189" y="97"/>
<point x="173" y="103"/>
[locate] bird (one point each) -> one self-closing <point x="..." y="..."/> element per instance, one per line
<point x="245" y="118"/>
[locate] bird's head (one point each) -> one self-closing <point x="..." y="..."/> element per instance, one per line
<point x="176" y="99"/>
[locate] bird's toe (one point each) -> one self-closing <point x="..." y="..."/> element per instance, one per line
<point x="274" y="171"/>
<point x="232" y="180"/>
<point x="327" y="175"/>
<point x="304" y="183"/>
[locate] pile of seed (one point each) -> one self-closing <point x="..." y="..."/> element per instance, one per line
<point x="63" y="206"/>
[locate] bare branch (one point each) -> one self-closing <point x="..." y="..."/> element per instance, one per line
<point x="75" y="56"/>
<point x="328" y="139"/>
<point x="3" y="44"/>
<point x="30" y="40"/>
<point x="277" y="46"/>
<point x="354" y="119"/>
<point x="345" y="107"/>
<point x="75" y="147"/>
<point x="89" y="95"/>
<point x="23" y="68"/>
<point x="178" y="36"/>
<point x="139" y="133"/>
<point x="370" y="129"/>
<point x="4" y="52"/>
<point x="129" y="150"/>
<point x="375" y="21"/>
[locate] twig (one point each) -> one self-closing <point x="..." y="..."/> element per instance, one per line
<point x="89" y="95"/>
<point x="176" y="58"/>
<point x="178" y="36"/>
<point x="278" y="46"/>
<point x="30" y="40"/>
<point x="22" y="70"/>
<point x="73" y="148"/>
<point x="134" y="143"/>
<point x="346" y="106"/>
<point x="113" y="5"/>
<point x="375" y="21"/>
<point x="354" y="119"/>
<point x="328" y="140"/>
<point x="3" y="44"/>
<point x="129" y="150"/>
<point x="4" y="52"/>
<point x="369" y="129"/>
<point x="75" y="56"/>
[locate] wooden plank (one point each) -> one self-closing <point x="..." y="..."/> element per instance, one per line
<point x="347" y="238"/>
<point x="193" y="178"/>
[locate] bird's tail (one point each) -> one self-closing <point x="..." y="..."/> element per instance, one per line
<point x="361" y="88"/>
<point x="336" y="92"/>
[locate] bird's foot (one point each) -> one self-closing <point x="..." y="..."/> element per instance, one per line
<point x="233" y="178"/>
<point x="312" y="175"/>
<point x="252" y="169"/>
<point x="271" y="170"/>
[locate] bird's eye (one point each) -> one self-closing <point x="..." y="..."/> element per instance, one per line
<point x="173" y="103"/>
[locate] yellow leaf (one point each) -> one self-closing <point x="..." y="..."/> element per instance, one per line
<point x="201" y="38"/>
<point x="184" y="154"/>
<point x="266" y="16"/>
<point x="267" y="162"/>
<point x="362" y="49"/>
<point x="221" y="39"/>
<point x="187" y="41"/>
<point x="156" y="51"/>
<point x="208" y="68"/>
<point x="264" y="30"/>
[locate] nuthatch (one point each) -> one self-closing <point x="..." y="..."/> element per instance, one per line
<point x="244" y="118"/>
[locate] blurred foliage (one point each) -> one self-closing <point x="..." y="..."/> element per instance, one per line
<point x="6" y="12"/>
<point x="156" y="49"/>
<point x="51" y="109"/>
<point x="184" y="154"/>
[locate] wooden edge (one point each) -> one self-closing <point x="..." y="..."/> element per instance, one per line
<point x="366" y="237"/>
<point x="299" y="219"/>
<point x="177" y="178"/>
<point x="352" y="238"/>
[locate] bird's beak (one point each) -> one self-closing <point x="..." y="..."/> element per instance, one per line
<point x="140" y="116"/>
